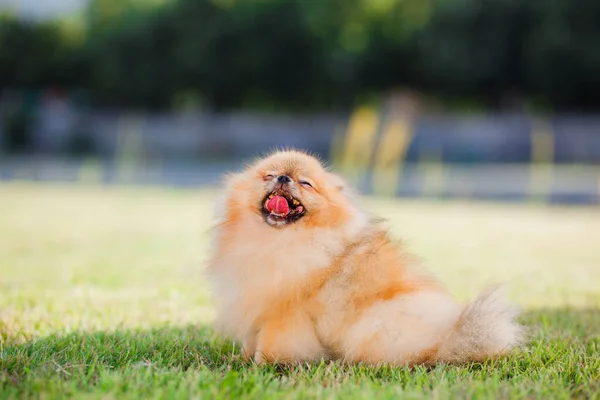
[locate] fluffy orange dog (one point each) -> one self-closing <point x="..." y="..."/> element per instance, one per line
<point x="300" y="272"/>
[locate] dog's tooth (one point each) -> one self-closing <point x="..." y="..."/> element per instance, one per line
<point x="296" y="202"/>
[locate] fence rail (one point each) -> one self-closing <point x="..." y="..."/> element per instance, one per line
<point x="496" y="156"/>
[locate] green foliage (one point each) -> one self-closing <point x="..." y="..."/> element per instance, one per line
<point x="563" y="56"/>
<point x="17" y="137"/>
<point x="34" y="55"/>
<point x="474" y="48"/>
<point x="314" y="54"/>
<point x="16" y="120"/>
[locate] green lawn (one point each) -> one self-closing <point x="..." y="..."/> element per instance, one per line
<point x="102" y="296"/>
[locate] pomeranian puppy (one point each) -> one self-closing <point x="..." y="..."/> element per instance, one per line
<point x="300" y="272"/>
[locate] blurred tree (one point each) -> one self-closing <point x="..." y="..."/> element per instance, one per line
<point x="475" y="48"/>
<point x="563" y="54"/>
<point x="34" y="55"/>
<point x="249" y="52"/>
<point x="312" y="54"/>
<point x="133" y="60"/>
<point x="17" y="124"/>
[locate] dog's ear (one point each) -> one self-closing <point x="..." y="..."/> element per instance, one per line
<point x="337" y="181"/>
<point x="343" y="186"/>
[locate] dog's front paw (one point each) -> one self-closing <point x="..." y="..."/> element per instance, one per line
<point x="262" y="357"/>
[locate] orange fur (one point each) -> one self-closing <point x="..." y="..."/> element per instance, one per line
<point x="333" y="284"/>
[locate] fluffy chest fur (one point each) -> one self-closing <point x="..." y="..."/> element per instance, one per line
<point x="251" y="276"/>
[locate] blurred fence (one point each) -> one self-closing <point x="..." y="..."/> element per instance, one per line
<point x="497" y="156"/>
<point x="191" y="136"/>
<point x="509" y="157"/>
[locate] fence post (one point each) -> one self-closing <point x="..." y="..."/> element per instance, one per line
<point x="389" y="161"/>
<point x="358" y="143"/>
<point x="89" y="171"/>
<point x="432" y="170"/>
<point x="129" y="146"/>
<point x="542" y="160"/>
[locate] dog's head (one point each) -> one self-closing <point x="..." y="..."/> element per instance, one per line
<point x="289" y="188"/>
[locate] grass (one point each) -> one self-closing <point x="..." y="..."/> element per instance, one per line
<point x="102" y="296"/>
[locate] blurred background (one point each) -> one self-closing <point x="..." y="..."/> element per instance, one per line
<point x="495" y="99"/>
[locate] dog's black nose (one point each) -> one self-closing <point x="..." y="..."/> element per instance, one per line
<point x="283" y="179"/>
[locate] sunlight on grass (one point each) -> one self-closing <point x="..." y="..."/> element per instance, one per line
<point x="547" y="256"/>
<point x="102" y="287"/>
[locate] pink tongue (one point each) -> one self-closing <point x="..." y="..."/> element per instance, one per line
<point x="278" y="205"/>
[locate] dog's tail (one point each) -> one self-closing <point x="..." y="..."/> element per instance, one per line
<point x="486" y="328"/>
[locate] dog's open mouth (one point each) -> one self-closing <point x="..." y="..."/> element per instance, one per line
<point x="280" y="207"/>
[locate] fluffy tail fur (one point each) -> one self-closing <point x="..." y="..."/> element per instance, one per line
<point x="487" y="327"/>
